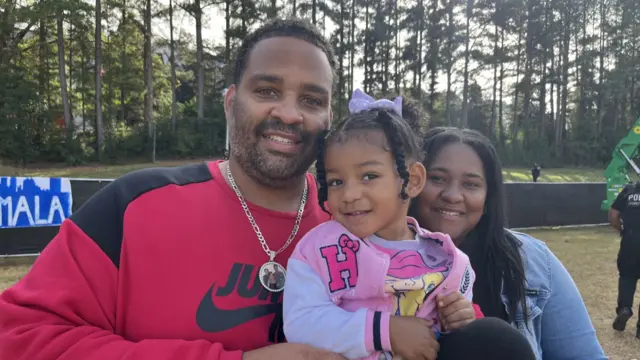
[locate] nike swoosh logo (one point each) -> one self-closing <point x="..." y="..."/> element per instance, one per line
<point x="210" y="318"/>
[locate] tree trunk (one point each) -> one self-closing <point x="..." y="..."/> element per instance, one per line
<point x="352" y="41"/>
<point x="543" y="65"/>
<point x="63" y="78"/>
<point x="314" y="6"/>
<point x="396" y="51"/>
<point x="501" y="92"/>
<point x="82" y="84"/>
<point x="528" y="72"/>
<point x="148" y="79"/>
<point x="172" y="59"/>
<point x="227" y="31"/>
<point x="514" y="125"/>
<point x="341" y="55"/>
<point x="123" y="64"/>
<point x="552" y="86"/>
<point x="42" y="58"/>
<point x="71" y="68"/>
<point x="559" y="137"/>
<point x="417" y="87"/>
<point x="601" y="86"/>
<point x="449" y="61"/>
<point x="366" y="56"/>
<point x="467" y="55"/>
<point x="98" y="61"/>
<point x="494" y="93"/>
<point x="199" y="67"/>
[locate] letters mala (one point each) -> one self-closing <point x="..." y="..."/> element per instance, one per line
<point x="272" y="275"/>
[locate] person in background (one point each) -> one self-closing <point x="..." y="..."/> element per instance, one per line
<point x="518" y="279"/>
<point x="535" y="172"/>
<point x="164" y="263"/>
<point x="624" y="216"/>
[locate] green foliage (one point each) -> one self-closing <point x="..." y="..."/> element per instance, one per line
<point x="553" y="82"/>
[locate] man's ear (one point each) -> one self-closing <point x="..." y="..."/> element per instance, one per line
<point x="229" y="99"/>
<point x="417" y="179"/>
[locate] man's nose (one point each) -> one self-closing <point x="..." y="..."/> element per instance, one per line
<point x="288" y="111"/>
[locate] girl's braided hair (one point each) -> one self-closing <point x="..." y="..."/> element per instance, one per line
<point x="401" y="141"/>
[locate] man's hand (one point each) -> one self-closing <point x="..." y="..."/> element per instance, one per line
<point x="288" y="351"/>
<point x="455" y="311"/>
<point x="412" y="338"/>
<point x="614" y="219"/>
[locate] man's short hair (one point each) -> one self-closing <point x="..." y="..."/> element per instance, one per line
<point x="293" y="27"/>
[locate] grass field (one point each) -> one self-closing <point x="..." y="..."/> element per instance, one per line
<point x="89" y="171"/>
<point x="556" y="175"/>
<point x="114" y="171"/>
<point x="589" y="255"/>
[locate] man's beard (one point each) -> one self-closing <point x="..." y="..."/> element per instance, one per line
<point x="269" y="169"/>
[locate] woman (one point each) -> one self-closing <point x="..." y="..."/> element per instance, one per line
<point x="464" y="197"/>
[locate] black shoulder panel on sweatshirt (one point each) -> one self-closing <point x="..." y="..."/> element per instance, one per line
<point x="102" y="216"/>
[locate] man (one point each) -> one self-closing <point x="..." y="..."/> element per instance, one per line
<point x="535" y="172"/>
<point x="164" y="263"/>
<point x="624" y="215"/>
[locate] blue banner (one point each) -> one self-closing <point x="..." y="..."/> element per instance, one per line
<point x="34" y="201"/>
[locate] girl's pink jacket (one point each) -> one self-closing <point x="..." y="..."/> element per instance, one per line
<point x="335" y="296"/>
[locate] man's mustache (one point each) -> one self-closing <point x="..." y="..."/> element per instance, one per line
<point x="274" y="124"/>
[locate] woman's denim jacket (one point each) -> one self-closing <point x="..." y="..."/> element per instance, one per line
<point x="559" y="327"/>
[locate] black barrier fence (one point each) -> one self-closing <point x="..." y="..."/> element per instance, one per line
<point x="528" y="205"/>
<point x="555" y="204"/>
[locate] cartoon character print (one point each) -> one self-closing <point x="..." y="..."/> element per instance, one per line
<point x="411" y="280"/>
<point x="411" y="293"/>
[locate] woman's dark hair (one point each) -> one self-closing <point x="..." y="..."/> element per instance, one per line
<point x="402" y="142"/>
<point x="499" y="248"/>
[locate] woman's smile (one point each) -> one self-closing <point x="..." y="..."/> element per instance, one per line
<point x="454" y="214"/>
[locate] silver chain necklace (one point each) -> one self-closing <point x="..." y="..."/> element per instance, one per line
<point x="272" y="275"/>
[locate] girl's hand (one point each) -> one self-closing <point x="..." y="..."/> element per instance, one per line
<point x="289" y="351"/>
<point x="455" y="311"/>
<point x="412" y="338"/>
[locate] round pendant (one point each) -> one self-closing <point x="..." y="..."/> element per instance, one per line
<point x="272" y="276"/>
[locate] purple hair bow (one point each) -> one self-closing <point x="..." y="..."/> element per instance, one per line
<point x="361" y="102"/>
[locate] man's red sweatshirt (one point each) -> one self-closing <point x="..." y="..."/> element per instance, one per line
<point x="161" y="264"/>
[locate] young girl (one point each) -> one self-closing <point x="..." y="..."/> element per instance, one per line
<point x="365" y="283"/>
